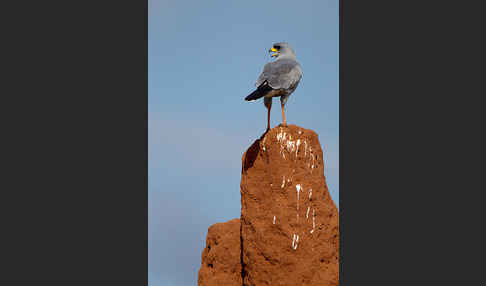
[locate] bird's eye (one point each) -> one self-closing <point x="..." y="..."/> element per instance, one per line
<point x="277" y="47"/>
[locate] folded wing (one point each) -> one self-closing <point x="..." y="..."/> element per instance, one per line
<point x="283" y="74"/>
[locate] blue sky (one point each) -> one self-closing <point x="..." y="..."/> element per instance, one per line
<point x="204" y="58"/>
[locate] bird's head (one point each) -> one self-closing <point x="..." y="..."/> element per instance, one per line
<point x="282" y="50"/>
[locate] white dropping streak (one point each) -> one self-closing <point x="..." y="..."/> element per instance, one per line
<point x="273" y="219"/>
<point x="313" y="220"/>
<point x="290" y="146"/>
<point x="310" y="194"/>
<point x="297" y="149"/>
<point x="298" y="192"/>
<point x="307" y="214"/>
<point x="283" y="182"/>
<point x="295" y="241"/>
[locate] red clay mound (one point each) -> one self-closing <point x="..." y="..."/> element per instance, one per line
<point x="289" y="224"/>
<point x="221" y="259"/>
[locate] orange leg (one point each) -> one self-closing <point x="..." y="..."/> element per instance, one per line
<point x="268" y="105"/>
<point x="268" y="118"/>
<point x="283" y="116"/>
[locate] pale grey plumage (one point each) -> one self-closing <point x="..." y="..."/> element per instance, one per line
<point x="282" y="75"/>
<point x="279" y="78"/>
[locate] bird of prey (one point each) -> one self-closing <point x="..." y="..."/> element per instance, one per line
<point x="278" y="79"/>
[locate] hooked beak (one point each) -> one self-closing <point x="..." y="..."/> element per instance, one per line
<point x="275" y="52"/>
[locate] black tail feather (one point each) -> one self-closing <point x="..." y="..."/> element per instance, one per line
<point x="261" y="91"/>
